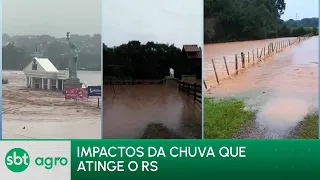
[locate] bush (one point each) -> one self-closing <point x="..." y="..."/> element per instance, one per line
<point x="5" y="81"/>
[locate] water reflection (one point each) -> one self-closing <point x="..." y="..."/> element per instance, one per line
<point x="130" y="109"/>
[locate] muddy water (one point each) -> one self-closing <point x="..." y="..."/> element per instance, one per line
<point x="129" y="111"/>
<point x="283" y="90"/>
<point x="217" y="52"/>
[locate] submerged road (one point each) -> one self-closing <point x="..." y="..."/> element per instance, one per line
<point x="283" y="89"/>
<point x="128" y="112"/>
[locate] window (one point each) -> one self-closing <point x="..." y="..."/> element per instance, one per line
<point x="34" y="65"/>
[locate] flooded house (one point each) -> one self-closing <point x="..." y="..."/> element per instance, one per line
<point x="42" y="74"/>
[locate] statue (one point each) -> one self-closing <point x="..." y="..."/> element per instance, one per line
<point x="171" y="71"/>
<point x="73" y="59"/>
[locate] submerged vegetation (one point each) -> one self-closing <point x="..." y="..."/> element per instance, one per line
<point x="5" y="81"/>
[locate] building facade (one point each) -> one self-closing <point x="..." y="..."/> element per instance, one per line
<point x="193" y="56"/>
<point x="42" y="74"/>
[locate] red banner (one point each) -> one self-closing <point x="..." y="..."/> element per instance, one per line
<point x="76" y="93"/>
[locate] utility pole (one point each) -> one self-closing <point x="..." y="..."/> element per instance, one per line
<point x="296" y="16"/>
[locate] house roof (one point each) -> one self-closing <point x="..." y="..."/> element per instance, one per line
<point x="191" y="48"/>
<point x="46" y="64"/>
<point x="192" y="51"/>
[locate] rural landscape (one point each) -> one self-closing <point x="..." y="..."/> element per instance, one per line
<point x="46" y="74"/>
<point x="260" y="71"/>
<point x="152" y="89"/>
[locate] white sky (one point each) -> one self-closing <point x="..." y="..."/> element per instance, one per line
<point x="164" y="21"/>
<point x="303" y="9"/>
<point x="51" y="17"/>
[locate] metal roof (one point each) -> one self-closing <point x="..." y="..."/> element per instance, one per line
<point x="191" y="48"/>
<point x="192" y="51"/>
<point x="46" y="64"/>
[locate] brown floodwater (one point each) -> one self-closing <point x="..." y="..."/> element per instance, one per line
<point x="283" y="88"/>
<point x="219" y="51"/>
<point x="129" y="109"/>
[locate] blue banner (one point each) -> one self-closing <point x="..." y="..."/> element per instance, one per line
<point x="94" y="91"/>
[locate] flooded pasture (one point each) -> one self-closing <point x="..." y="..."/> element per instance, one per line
<point x="217" y="52"/>
<point x="129" y="110"/>
<point x="283" y="89"/>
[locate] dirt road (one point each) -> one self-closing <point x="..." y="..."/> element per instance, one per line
<point x="45" y="114"/>
<point x="284" y="89"/>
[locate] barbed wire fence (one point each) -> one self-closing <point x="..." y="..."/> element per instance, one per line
<point x="224" y="67"/>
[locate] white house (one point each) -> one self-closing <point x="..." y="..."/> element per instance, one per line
<point x="42" y="74"/>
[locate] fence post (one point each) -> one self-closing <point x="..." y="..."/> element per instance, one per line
<point x="188" y="89"/>
<point x="215" y="71"/>
<point x="205" y="85"/>
<point x="264" y="52"/>
<point x="253" y="56"/>
<point x="236" y="59"/>
<point x="225" y="63"/>
<point x="257" y="54"/>
<point x="273" y="47"/>
<point x="248" y="58"/>
<point x="242" y="60"/>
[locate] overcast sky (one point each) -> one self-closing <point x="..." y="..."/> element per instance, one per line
<point x="164" y="21"/>
<point x="303" y="8"/>
<point x="52" y="17"/>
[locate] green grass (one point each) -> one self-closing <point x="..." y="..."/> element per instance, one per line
<point x="308" y="129"/>
<point x="224" y="118"/>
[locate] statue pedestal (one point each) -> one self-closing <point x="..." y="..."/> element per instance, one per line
<point x="72" y="83"/>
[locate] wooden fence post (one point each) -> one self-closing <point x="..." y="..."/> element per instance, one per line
<point x="253" y="56"/>
<point x="215" y="71"/>
<point x="225" y="63"/>
<point x="236" y="59"/>
<point x="205" y="84"/>
<point x="248" y="58"/>
<point x="243" y="60"/>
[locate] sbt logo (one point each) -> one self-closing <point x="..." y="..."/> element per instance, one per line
<point x="18" y="160"/>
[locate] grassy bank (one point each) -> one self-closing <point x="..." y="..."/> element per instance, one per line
<point x="224" y="118"/>
<point x="308" y="128"/>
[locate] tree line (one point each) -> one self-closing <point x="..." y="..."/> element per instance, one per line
<point x="239" y="20"/>
<point x="144" y="61"/>
<point x="17" y="51"/>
